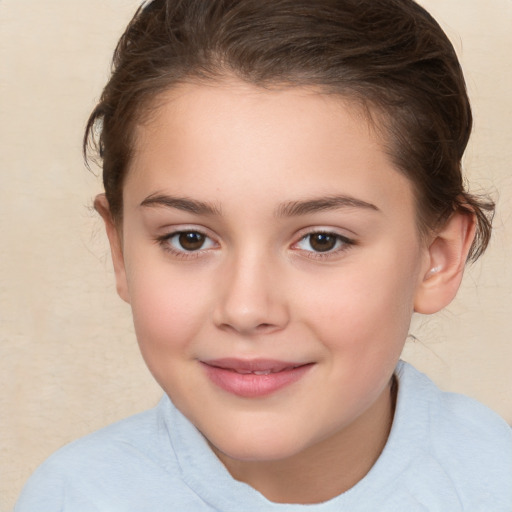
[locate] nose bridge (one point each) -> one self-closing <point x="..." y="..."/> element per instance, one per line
<point x="250" y="300"/>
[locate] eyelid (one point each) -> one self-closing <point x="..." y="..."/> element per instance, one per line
<point x="164" y="241"/>
<point x="346" y="242"/>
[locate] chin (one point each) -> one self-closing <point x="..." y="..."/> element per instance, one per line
<point x="250" y="447"/>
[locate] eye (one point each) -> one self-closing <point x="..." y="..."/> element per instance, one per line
<point x="323" y="242"/>
<point x="187" y="241"/>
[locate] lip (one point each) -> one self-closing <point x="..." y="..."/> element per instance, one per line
<point x="253" y="378"/>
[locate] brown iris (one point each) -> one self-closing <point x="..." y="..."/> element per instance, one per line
<point x="322" y="242"/>
<point x="191" y="240"/>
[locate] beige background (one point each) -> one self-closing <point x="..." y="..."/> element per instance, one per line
<point x="68" y="358"/>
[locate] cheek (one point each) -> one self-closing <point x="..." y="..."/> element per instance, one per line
<point x="168" y="314"/>
<point x="367" y="306"/>
<point x="168" y="308"/>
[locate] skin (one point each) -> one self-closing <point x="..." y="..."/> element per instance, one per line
<point x="232" y="161"/>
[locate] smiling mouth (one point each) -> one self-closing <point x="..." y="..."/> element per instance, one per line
<point x="254" y="378"/>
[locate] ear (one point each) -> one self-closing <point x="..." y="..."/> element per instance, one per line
<point x="116" y="245"/>
<point x="446" y="259"/>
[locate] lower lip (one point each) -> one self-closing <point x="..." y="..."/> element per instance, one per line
<point x="250" y="385"/>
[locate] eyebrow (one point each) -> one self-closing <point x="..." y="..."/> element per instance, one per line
<point x="297" y="208"/>
<point x="288" y="209"/>
<point x="181" y="203"/>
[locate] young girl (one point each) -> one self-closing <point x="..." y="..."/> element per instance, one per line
<point x="283" y="191"/>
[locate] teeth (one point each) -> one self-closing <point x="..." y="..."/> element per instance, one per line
<point x="255" y="372"/>
<point x="263" y="372"/>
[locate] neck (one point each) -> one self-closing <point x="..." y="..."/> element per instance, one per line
<point x="326" y="469"/>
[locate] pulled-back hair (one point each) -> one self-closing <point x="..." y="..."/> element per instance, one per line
<point x="390" y="56"/>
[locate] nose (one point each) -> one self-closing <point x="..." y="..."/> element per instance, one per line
<point x="250" y="300"/>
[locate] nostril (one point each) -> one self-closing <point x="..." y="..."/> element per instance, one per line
<point x="265" y="327"/>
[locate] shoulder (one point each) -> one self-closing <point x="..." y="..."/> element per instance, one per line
<point x="475" y="445"/>
<point x="454" y="417"/>
<point x="462" y="439"/>
<point x="135" y="434"/>
<point x="85" y="473"/>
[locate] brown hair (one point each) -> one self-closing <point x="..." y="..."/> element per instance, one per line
<point x="389" y="55"/>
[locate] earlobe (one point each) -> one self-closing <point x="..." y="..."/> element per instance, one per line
<point x="116" y="247"/>
<point x="447" y="255"/>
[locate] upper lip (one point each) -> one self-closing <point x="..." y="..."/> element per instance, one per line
<point x="252" y="365"/>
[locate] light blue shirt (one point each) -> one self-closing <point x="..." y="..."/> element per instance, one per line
<point x="445" y="453"/>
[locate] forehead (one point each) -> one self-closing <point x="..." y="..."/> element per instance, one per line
<point x="219" y="139"/>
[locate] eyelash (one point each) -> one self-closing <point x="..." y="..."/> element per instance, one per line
<point x="342" y="244"/>
<point x="165" y="242"/>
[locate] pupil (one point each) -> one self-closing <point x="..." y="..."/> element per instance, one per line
<point x="191" y="241"/>
<point x="322" y="242"/>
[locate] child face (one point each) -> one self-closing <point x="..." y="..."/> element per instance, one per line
<point x="271" y="259"/>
